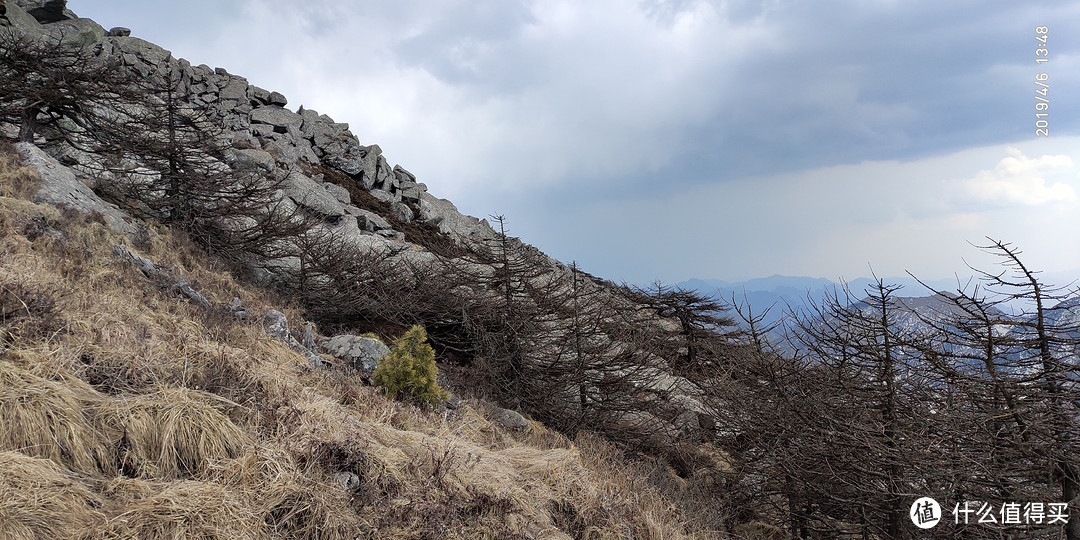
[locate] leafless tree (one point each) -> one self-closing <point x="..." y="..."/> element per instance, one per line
<point x="49" y="85"/>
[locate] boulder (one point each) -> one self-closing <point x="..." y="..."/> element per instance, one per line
<point x="48" y="11"/>
<point x="262" y="130"/>
<point x="349" y="481"/>
<point x="402" y="212"/>
<point x="367" y="220"/>
<point x="310" y="116"/>
<point x="19" y="19"/>
<point x="60" y="187"/>
<point x="276" y="325"/>
<point x="410" y="193"/>
<point x="310" y="194"/>
<point x="277" y="99"/>
<point x="119" y="31"/>
<point x="369" y="157"/>
<point x="288" y="153"/>
<point x="234" y="89"/>
<point x="252" y="158"/>
<point x="361" y="353"/>
<point x="386" y="196"/>
<point x="260" y="95"/>
<point x="275" y="116"/>
<point x="338" y="192"/>
<point x="322" y="135"/>
<point x="347" y="164"/>
<point x="504" y="417"/>
<point x="403" y="175"/>
<point x="391" y="234"/>
<point x="77" y="32"/>
<point x="150" y="54"/>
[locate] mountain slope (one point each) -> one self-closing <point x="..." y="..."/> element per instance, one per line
<point x="131" y="412"/>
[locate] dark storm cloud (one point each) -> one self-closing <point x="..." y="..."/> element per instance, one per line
<point x="683" y="138"/>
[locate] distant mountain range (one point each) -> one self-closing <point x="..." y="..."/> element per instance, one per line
<point x="781" y="295"/>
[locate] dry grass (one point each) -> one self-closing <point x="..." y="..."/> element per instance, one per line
<point x="38" y="499"/>
<point x="47" y="419"/>
<point x="149" y="418"/>
<point x="183" y="510"/>
<point x="170" y="434"/>
<point x="16" y="180"/>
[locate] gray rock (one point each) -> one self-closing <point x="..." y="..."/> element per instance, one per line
<point x="17" y="18"/>
<point x="402" y="212"/>
<point x="77" y="32"/>
<point x="506" y="418"/>
<point x="338" y="192"/>
<point x="391" y="234"/>
<point x="310" y="116"/>
<point x="348" y="165"/>
<point x="237" y="310"/>
<point x="385" y="196"/>
<point x="384" y="176"/>
<point x="369" y="221"/>
<point x="369" y="156"/>
<point x="235" y="89"/>
<point x="403" y="175"/>
<point x="148" y="52"/>
<point x="348" y="480"/>
<point x="47" y="11"/>
<point x="322" y="135"/>
<point x="276" y="325"/>
<point x="60" y="187"/>
<point x="445" y="215"/>
<point x="362" y="353"/>
<point x="283" y="151"/>
<point x="260" y="95"/>
<point x="262" y="130"/>
<point x="310" y="194"/>
<point x="309" y="338"/>
<point x="278" y="99"/>
<point x="275" y="116"/>
<point x="253" y="158"/>
<point x="411" y="194"/>
<point x="289" y="153"/>
<point x="119" y="31"/>
<point x="203" y="72"/>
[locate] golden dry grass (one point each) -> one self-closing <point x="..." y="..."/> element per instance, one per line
<point x="153" y="419"/>
<point x="18" y="181"/>
<point x="38" y="499"/>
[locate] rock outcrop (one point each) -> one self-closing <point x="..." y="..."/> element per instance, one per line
<point x="306" y="151"/>
<point x="360" y="352"/>
<point x="60" y="187"/>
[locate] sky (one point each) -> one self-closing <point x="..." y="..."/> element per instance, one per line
<point x="674" y="139"/>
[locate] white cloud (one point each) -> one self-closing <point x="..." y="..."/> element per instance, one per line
<point x="1021" y="181"/>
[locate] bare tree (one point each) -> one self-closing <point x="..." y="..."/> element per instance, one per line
<point x="49" y="85"/>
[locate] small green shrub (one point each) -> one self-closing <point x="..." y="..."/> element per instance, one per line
<point x="409" y="370"/>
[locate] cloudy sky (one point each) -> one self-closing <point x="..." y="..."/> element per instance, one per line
<point x="674" y="139"/>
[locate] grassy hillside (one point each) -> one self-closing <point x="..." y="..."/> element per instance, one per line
<point x="128" y="412"/>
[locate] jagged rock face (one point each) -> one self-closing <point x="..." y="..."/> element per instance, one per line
<point x="266" y="134"/>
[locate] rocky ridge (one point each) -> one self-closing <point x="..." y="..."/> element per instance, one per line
<point x="293" y="147"/>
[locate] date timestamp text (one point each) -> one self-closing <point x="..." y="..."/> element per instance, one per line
<point x="1042" y="84"/>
